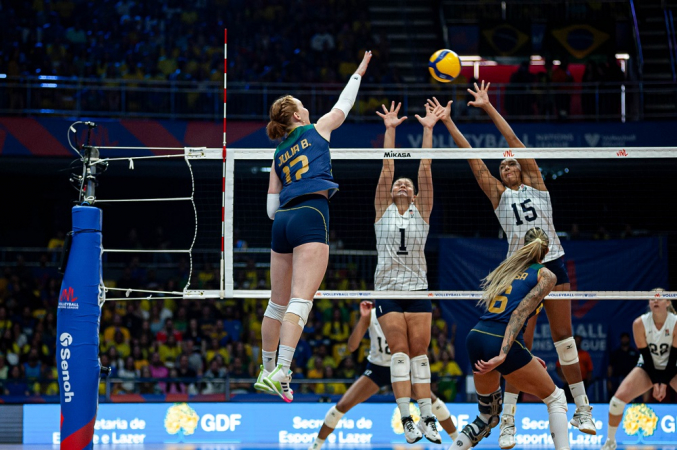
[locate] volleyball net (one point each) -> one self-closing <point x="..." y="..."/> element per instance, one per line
<point x="610" y="208"/>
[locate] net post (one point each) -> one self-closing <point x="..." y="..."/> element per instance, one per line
<point x="223" y="194"/>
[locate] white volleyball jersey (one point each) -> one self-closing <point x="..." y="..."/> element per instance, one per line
<point x="379" y="352"/>
<point x="659" y="341"/>
<point x="400" y="243"/>
<point x="526" y="208"/>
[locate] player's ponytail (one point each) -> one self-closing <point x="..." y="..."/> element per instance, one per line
<point x="497" y="282"/>
<point x="281" y="112"/>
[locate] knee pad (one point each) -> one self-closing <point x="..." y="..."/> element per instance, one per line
<point x="492" y="405"/>
<point x="420" y="370"/>
<point x="616" y="406"/>
<point x="566" y="351"/>
<point x="298" y="311"/>
<point x="399" y="367"/>
<point x="476" y="431"/>
<point x="333" y="416"/>
<point x="275" y="311"/>
<point x="440" y="410"/>
<point x="556" y="401"/>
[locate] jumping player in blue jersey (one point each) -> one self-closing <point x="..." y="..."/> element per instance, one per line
<point x="512" y="293"/>
<point x="300" y="186"/>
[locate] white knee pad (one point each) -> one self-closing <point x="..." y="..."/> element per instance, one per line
<point x="299" y="308"/>
<point x="440" y="410"/>
<point x="275" y="311"/>
<point x="556" y="402"/>
<point x="332" y="418"/>
<point x="616" y="406"/>
<point x="399" y="367"/>
<point x="420" y="370"/>
<point x="567" y="352"/>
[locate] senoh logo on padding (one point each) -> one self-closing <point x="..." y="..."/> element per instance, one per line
<point x="66" y="340"/>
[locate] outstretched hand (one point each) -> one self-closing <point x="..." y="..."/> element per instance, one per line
<point x="444" y="112"/>
<point x="362" y="68"/>
<point x="481" y="96"/>
<point x="365" y="308"/>
<point x="482" y="367"/>
<point x="432" y="115"/>
<point x="390" y="119"/>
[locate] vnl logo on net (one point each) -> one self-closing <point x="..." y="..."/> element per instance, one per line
<point x="67" y="299"/>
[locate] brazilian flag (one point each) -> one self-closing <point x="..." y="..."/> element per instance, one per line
<point x="580" y="40"/>
<point x="503" y="39"/>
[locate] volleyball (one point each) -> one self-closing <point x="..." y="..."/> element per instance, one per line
<point x="444" y="65"/>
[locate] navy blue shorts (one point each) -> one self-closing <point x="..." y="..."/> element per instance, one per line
<point x="411" y="306"/>
<point x="557" y="267"/>
<point x="378" y="374"/>
<point x="484" y="342"/>
<point x="302" y="220"/>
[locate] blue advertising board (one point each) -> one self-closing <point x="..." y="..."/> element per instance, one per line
<point x="299" y="423"/>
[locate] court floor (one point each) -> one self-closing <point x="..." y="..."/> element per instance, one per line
<point x="304" y="447"/>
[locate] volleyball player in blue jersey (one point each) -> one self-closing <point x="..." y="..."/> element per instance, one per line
<point x="512" y="293"/>
<point x="300" y="186"/>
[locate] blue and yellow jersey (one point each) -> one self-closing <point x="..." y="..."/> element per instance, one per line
<point x="303" y="163"/>
<point x="501" y="308"/>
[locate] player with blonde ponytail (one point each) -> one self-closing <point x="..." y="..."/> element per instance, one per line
<point x="512" y="293"/>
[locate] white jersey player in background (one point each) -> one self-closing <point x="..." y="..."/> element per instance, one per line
<point x="401" y="226"/>
<point x="521" y="201"/>
<point x="655" y="336"/>
<point x="376" y="375"/>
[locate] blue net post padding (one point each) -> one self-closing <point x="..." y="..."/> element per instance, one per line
<point x="78" y="317"/>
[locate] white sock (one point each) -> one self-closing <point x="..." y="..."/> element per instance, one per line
<point x="425" y="406"/>
<point x="268" y="359"/>
<point x="612" y="433"/>
<point x="285" y="357"/>
<point x="461" y="442"/>
<point x="558" y="423"/>
<point x="579" y="395"/>
<point x="453" y="435"/>
<point x="403" y="405"/>
<point x="510" y="403"/>
<point x="318" y="443"/>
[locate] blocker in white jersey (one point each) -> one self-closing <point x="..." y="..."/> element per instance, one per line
<point x="655" y="338"/>
<point x="658" y="341"/>
<point x="523" y="208"/>
<point x="400" y="243"/>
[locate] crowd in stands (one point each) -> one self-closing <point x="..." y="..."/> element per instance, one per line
<point x="180" y="346"/>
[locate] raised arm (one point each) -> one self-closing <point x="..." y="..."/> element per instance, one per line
<point x="334" y="118"/>
<point x="491" y="186"/>
<point x="546" y="282"/>
<point x="361" y="326"/>
<point x="424" y="198"/>
<point x="385" y="181"/>
<point x="530" y="173"/>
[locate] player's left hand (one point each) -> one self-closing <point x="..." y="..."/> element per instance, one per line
<point x="481" y="96"/>
<point x="362" y="68"/>
<point x="442" y="112"/>
<point x="486" y="367"/>
<point x="365" y="308"/>
<point x="430" y="118"/>
<point x="659" y="391"/>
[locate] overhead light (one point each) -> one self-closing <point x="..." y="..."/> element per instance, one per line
<point x="622" y="56"/>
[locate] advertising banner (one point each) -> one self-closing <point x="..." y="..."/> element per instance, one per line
<point x="77" y="346"/>
<point x="375" y="423"/>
